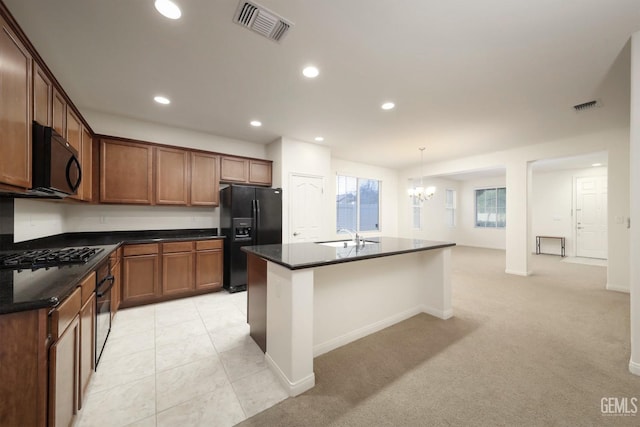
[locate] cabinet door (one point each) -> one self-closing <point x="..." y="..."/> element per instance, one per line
<point x="15" y="109"/>
<point x="260" y="172"/>
<point x="172" y="175"/>
<point x="87" y="346"/>
<point x="63" y="376"/>
<point x="140" y="279"/>
<point x="177" y="273"/>
<point x="59" y="112"/>
<point x="209" y="269"/>
<point x="126" y="172"/>
<point x="74" y="136"/>
<point x="233" y="169"/>
<point x="42" y="96"/>
<point x="87" y="165"/>
<point x="205" y="185"/>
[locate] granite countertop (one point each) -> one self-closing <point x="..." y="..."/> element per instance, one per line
<point x="295" y="256"/>
<point x="117" y="238"/>
<point x="42" y="288"/>
<point x="45" y="287"/>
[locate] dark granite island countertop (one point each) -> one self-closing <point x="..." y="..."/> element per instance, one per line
<point x="295" y="256"/>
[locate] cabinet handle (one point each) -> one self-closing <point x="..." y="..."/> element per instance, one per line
<point x="296" y="233"/>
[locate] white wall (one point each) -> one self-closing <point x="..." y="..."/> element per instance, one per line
<point x="468" y="234"/>
<point x="433" y="214"/>
<point x="388" y="195"/>
<point x="553" y="200"/>
<point x="35" y="218"/>
<point x="289" y="157"/>
<point x="614" y="141"/>
<point x="634" y="196"/>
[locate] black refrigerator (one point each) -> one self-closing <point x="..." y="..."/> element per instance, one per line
<point x="248" y="216"/>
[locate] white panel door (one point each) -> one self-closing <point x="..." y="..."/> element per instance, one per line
<point x="591" y="217"/>
<point x="305" y="208"/>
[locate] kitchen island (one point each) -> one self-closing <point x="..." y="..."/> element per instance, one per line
<point x="305" y="299"/>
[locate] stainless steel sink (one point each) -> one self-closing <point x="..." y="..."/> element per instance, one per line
<point x="345" y="243"/>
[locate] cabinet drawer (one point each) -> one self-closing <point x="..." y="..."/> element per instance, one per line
<point x="88" y="287"/>
<point x="177" y="247"/>
<point x="209" y="244"/>
<point x="64" y="314"/>
<point x="144" y="249"/>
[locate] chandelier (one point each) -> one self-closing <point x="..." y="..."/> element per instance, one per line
<point x="420" y="192"/>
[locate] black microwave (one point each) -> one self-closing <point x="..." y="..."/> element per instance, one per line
<point x="56" y="168"/>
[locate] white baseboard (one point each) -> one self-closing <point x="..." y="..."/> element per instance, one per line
<point x="616" y="288"/>
<point x="362" y="332"/>
<point x="441" y="314"/>
<point x="518" y="273"/>
<point x="634" y="367"/>
<point x="293" y="388"/>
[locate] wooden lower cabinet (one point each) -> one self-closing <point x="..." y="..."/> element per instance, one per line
<point x="140" y="278"/>
<point x="116" y="290"/>
<point x="177" y="273"/>
<point x="64" y="360"/>
<point x="87" y="346"/>
<point x="23" y="368"/>
<point x="184" y="268"/>
<point x="209" y="269"/>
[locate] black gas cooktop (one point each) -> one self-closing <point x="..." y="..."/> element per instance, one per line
<point x="44" y="258"/>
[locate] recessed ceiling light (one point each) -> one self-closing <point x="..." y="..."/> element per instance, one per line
<point x="161" y="100"/>
<point x="319" y="138"/>
<point x="256" y="123"/>
<point x="311" y="72"/>
<point x="388" y="106"/>
<point x="595" y="165"/>
<point x="168" y="9"/>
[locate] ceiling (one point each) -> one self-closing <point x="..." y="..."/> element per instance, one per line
<point x="467" y="77"/>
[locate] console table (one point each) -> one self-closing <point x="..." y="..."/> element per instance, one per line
<point x="539" y="238"/>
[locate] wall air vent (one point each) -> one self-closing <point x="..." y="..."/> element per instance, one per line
<point x="587" y="105"/>
<point x="261" y="20"/>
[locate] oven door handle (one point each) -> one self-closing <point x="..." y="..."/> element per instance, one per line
<point x="109" y="278"/>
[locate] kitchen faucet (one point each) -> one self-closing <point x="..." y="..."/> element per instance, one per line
<point x="353" y="234"/>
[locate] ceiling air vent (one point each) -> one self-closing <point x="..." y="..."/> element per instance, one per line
<point x="261" y="20"/>
<point x="587" y="105"/>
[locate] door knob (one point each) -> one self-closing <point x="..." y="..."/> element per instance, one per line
<point x="296" y="233"/>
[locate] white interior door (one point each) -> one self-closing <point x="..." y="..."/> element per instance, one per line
<point x="591" y="217"/>
<point x="305" y="208"/>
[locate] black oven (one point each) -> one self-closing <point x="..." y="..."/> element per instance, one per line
<point x="104" y="283"/>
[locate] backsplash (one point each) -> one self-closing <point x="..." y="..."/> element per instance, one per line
<point x="36" y="218"/>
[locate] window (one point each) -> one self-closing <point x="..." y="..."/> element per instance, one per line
<point x="358" y="204"/>
<point x="491" y="207"/>
<point x="450" y="207"/>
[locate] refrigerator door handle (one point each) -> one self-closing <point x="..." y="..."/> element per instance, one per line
<point x="256" y="224"/>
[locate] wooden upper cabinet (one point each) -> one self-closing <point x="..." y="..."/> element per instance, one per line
<point x="126" y="172"/>
<point x="15" y="109"/>
<point x="59" y="112"/>
<point x="87" y="165"/>
<point x="233" y="169"/>
<point x="172" y="176"/>
<point x="205" y="185"/>
<point x="42" y="96"/>
<point x="246" y="171"/>
<point x="260" y="172"/>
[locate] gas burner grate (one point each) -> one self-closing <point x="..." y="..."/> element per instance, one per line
<point x="43" y="258"/>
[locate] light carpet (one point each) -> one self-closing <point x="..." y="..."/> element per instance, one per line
<point x="520" y="351"/>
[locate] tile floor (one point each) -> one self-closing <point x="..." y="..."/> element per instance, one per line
<point x="188" y="362"/>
